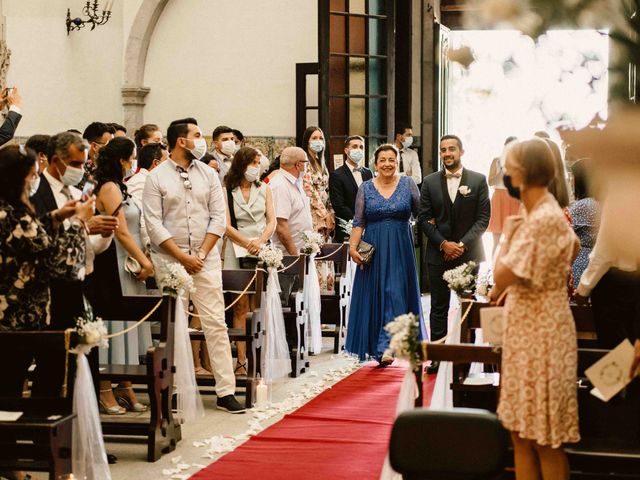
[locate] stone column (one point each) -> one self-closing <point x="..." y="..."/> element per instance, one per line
<point x="133" y="103"/>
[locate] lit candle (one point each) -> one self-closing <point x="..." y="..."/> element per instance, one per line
<point x="262" y="394"/>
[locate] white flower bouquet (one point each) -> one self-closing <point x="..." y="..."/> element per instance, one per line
<point x="462" y="278"/>
<point x="311" y="242"/>
<point x="172" y="278"/>
<point x="484" y="283"/>
<point x="346" y="227"/>
<point x="92" y="332"/>
<point x="404" y="341"/>
<point x="271" y="256"/>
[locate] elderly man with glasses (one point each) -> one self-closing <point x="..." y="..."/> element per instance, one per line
<point x="185" y="216"/>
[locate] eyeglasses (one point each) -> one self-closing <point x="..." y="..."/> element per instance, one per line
<point x="185" y="178"/>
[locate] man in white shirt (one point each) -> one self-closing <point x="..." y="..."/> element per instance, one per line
<point x="149" y="157"/>
<point x="612" y="281"/>
<point x="293" y="212"/>
<point x="408" y="163"/>
<point x="224" y="146"/>
<point x="185" y="216"/>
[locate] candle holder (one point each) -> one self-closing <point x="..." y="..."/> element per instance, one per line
<point x="91" y="10"/>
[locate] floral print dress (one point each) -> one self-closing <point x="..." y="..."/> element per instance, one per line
<point x="31" y="254"/>
<point x="316" y="184"/>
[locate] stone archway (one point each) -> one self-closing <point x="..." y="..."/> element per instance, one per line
<point x="133" y="91"/>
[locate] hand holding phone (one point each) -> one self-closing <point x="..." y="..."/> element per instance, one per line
<point x="87" y="190"/>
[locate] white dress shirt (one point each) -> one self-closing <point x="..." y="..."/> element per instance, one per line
<point x="356" y="172"/>
<point x="171" y="210"/>
<point x="602" y="258"/>
<point x="225" y="164"/>
<point x="410" y="164"/>
<point x="453" y="183"/>
<point x="291" y="204"/>
<point x="96" y="244"/>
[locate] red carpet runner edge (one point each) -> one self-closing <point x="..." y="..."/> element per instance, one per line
<point x="343" y="433"/>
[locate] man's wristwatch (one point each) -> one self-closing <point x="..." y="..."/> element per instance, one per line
<point x="201" y="255"/>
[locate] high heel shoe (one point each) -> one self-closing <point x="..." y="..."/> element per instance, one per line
<point x="241" y="369"/>
<point x="126" y="403"/>
<point x="113" y="410"/>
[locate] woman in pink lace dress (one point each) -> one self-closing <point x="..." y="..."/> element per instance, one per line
<point x="538" y="401"/>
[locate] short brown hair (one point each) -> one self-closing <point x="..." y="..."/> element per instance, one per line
<point x="535" y="158"/>
<point x="351" y="138"/>
<point x="385" y="147"/>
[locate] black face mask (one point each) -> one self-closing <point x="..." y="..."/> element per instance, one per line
<point x="513" y="191"/>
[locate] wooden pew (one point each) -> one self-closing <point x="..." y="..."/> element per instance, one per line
<point x="294" y="312"/>
<point x="334" y="309"/>
<point x="235" y="282"/>
<point x="40" y="440"/>
<point x="158" y="426"/>
<point x="610" y="432"/>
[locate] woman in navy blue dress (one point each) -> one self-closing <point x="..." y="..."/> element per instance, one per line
<point x="388" y="286"/>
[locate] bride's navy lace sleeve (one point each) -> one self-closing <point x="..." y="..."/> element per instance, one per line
<point x="415" y="198"/>
<point x="358" y="217"/>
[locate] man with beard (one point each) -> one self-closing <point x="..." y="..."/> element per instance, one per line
<point x="454" y="213"/>
<point x="185" y="216"/>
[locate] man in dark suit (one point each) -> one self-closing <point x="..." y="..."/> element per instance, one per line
<point x="454" y="213"/>
<point x="67" y="154"/>
<point x="12" y="98"/>
<point x="344" y="183"/>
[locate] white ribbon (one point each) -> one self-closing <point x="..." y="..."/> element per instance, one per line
<point x="89" y="458"/>
<point x="312" y="304"/>
<point x="189" y="401"/>
<point x="277" y="363"/>
<point x="442" y="398"/>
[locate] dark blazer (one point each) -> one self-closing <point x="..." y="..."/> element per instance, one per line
<point x="464" y="220"/>
<point x="67" y="302"/>
<point x="8" y="127"/>
<point x="342" y="192"/>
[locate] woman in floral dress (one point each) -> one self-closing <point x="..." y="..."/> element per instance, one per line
<point x="538" y="401"/>
<point x="316" y="185"/>
<point x="33" y="251"/>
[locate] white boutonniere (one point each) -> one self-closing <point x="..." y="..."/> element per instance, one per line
<point x="464" y="190"/>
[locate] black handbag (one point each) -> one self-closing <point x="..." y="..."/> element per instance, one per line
<point x="366" y="251"/>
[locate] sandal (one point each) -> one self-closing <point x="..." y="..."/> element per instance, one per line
<point x="242" y="366"/>
<point x="125" y="402"/>
<point x="203" y="371"/>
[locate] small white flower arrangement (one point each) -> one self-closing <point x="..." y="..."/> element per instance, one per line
<point x="461" y="279"/>
<point x="173" y="278"/>
<point x="404" y="341"/>
<point x="271" y="256"/>
<point x="464" y="190"/>
<point x="346" y="227"/>
<point x="483" y="284"/>
<point x="311" y="242"/>
<point x="92" y="332"/>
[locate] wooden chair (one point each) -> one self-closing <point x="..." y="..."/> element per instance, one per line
<point x="235" y="282"/>
<point x="294" y="311"/>
<point x="40" y="440"/>
<point x="334" y="304"/>
<point x="161" y="431"/>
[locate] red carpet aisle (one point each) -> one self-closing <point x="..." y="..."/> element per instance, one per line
<point x="342" y="433"/>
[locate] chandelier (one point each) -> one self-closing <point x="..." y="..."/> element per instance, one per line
<point x="95" y="17"/>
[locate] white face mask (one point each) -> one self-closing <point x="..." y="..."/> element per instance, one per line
<point x="228" y="147"/>
<point x="72" y="176"/>
<point x="236" y="147"/>
<point x="130" y="172"/>
<point x="199" y="148"/>
<point x="264" y="164"/>
<point x="408" y="141"/>
<point x="34" y="183"/>
<point x="252" y="173"/>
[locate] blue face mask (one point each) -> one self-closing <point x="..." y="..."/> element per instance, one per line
<point x="356" y="155"/>
<point x="316" y="145"/>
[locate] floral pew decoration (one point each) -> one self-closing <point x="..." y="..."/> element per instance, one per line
<point x="174" y="281"/>
<point x="312" y="241"/>
<point x="277" y="363"/>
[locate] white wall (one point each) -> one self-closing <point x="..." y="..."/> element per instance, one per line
<point x="230" y="62"/>
<point x="66" y="81"/>
<point x="222" y="61"/>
